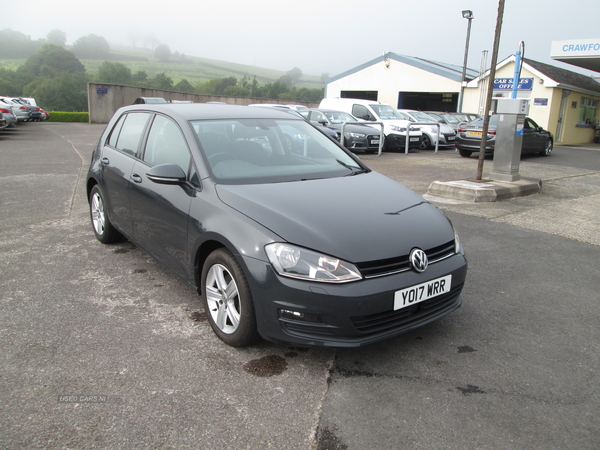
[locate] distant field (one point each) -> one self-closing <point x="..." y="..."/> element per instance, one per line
<point x="194" y="69"/>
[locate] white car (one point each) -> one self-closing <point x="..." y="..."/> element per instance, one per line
<point x="395" y="125"/>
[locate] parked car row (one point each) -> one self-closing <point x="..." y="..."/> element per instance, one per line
<point x="18" y="109"/>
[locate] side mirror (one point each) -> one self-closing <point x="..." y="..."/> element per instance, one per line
<point x="168" y="173"/>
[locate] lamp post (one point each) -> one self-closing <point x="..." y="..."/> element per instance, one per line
<point x="467" y="14"/>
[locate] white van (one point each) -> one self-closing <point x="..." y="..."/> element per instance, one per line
<point x="394" y="125"/>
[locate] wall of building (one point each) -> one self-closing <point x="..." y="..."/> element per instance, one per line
<point x="105" y="99"/>
<point x="389" y="81"/>
<point x="544" y="106"/>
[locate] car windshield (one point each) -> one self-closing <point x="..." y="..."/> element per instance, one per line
<point x="422" y="117"/>
<point x="339" y="117"/>
<point x="462" y="117"/>
<point x="251" y="151"/>
<point x="386" y="112"/>
<point x="450" y="118"/>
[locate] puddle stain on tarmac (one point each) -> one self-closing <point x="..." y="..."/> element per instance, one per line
<point x="470" y="389"/>
<point x="267" y="366"/>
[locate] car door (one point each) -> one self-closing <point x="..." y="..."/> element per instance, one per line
<point x="160" y="211"/>
<point x="119" y="154"/>
<point x="533" y="138"/>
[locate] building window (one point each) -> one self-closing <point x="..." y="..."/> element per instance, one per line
<point x="587" y="111"/>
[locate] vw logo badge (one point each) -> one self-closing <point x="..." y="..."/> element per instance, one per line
<point x="418" y="259"/>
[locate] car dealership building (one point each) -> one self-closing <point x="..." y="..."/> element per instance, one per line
<point x="562" y="101"/>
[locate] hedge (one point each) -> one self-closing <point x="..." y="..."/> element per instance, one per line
<point x="57" y="116"/>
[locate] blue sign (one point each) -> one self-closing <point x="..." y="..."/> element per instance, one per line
<point x="540" y="101"/>
<point x="102" y="91"/>
<point x="506" y="84"/>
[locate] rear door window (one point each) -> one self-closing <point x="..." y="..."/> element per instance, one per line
<point x="127" y="133"/>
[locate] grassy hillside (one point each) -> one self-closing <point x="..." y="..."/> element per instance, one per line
<point x="194" y="69"/>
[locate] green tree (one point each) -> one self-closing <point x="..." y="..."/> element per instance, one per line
<point x="140" y="78"/>
<point x="310" y="95"/>
<point x="91" y="47"/>
<point x="216" y="86"/>
<point x="236" y="91"/>
<point x="57" y="37"/>
<point x="16" y="45"/>
<point x="185" y="86"/>
<point x="67" y="92"/>
<point x="161" y="81"/>
<point x="8" y="83"/>
<point x="295" y="74"/>
<point x="274" y="90"/>
<point x="162" y="52"/>
<point x="56" y="78"/>
<point x="114" y="72"/>
<point x="55" y="58"/>
<point x="287" y="80"/>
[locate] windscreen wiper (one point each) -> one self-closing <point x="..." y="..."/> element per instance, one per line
<point x="353" y="169"/>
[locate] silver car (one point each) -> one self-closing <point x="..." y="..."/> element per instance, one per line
<point x="7" y="112"/>
<point x="21" y="111"/>
<point x="430" y="132"/>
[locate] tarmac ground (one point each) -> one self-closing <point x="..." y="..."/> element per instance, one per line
<point x="103" y="348"/>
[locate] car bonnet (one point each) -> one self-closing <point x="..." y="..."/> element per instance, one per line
<point x="358" y="218"/>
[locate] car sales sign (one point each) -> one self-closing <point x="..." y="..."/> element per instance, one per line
<point x="506" y="84"/>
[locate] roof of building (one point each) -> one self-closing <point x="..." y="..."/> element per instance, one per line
<point x="450" y="71"/>
<point x="564" y="76"/>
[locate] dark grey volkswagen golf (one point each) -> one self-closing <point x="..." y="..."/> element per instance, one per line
<point x="302" y="244"/>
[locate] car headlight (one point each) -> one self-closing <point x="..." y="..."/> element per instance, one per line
<point x="357" y="135"/>
<point x="397" y="128"/>
<point x="297" y="262"/>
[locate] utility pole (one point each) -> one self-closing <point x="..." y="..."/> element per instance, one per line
<point x="490" y="91"/>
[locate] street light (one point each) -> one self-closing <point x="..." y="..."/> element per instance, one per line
<point x="467" y="14"/>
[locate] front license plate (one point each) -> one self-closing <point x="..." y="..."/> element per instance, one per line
<point x="421" y="292"/>
<point x="414" y="139"/>
<point x="474" y="133"/>
<point x="450" y="138"/>
<point x="374" y="141"/>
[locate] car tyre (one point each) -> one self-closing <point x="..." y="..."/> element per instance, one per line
<point x="425" y="143"/>
<point x="227" y="300"/>
<point x="465" y="153"/>
<point x="547" y="148"/>
<point x="103" y="228"/>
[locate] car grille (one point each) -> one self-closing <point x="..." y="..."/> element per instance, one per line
<point x="383" y="267"/>
<point x="371" y="138"/>
<point x="409" y="316"/>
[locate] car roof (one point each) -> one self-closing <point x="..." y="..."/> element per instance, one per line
<point x="199" y="111"/>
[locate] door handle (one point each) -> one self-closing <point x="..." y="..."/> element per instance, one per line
<point x="136" y="178"/>
<point x="105" y="161"/>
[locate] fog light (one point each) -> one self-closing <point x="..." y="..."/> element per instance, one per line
<point x="291" y="314"/>
<point x="297" y="315"/>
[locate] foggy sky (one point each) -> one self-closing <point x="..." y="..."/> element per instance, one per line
<point x="318" y="36"/>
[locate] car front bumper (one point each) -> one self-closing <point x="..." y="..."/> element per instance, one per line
<point x="349" y="314"/>
<point x="395" y="141"/>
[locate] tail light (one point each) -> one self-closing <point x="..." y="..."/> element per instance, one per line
<point x="4" y="111"/>
<point x="492" y="132"/>
<point x="24" y="107"/>
<point x="37" y="109"/>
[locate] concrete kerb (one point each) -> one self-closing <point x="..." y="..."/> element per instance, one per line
<point x="485" y="190"/>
